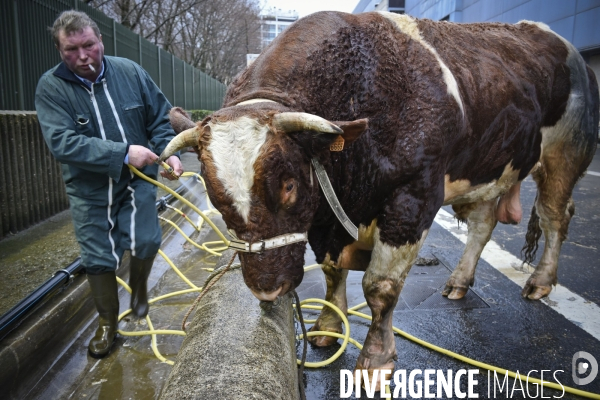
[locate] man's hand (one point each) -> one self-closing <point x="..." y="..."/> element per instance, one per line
<point x="175" y="163"/>
<point x="140" y="156"/>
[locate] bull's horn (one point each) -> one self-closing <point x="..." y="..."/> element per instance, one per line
<point x="298" y="121"/>
<point x="187" y="138"/>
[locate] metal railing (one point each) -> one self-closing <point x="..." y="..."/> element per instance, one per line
<point x="28" y="51"/>
<point x="31" y="184"/>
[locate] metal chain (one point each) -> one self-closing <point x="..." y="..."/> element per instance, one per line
<point x="301" y="367"/>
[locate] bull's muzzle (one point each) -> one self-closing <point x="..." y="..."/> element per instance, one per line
<point x="263" y="296"/>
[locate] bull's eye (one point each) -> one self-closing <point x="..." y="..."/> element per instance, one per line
<point x="288" y="193"/>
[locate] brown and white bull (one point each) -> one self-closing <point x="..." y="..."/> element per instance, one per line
<point x="432" y="113"/>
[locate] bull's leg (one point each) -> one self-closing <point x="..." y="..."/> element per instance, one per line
<point x="481" y="220"/>
<point x="329" y="320"/>
<point x="567" y="150"/>
<point x="353" y="257"/>
<point x="554" y="207"/>
<point x="509" y="209"/>
<point x="382" y="284"/>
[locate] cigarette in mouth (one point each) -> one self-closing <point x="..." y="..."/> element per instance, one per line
<point x="92" y="68"/>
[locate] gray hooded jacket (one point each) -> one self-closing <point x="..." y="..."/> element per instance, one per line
<point x="89" y="129"/>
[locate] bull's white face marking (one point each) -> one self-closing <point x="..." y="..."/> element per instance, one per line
<point x="408" y="25"/>
<point x="461" y="191"/>
<point x="392" y="262"/>
<point x="235" y="146"/>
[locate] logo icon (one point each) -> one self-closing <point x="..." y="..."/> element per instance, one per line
<point x="584" y="363"/>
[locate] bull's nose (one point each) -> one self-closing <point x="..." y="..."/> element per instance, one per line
<point x="264" y="296"/>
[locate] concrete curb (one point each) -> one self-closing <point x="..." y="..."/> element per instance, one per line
<point x="31" y="349"/>
<point x="235" y="350"/>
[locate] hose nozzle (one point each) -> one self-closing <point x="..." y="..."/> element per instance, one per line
<point x="168" y="168"/>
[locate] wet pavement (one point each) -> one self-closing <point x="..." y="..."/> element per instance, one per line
<point x="493" y="324"/>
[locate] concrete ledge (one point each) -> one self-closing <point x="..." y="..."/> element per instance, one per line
<point x="235" y="350"/>
<point x="30" y="350"/>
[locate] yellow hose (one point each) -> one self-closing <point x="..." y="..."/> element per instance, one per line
<point x="182" y="199"/>
<point x="178" y="211"/>
<point x="346" y="336"/>
<point x="201" y="247"/>
<point x="177" y="271"/>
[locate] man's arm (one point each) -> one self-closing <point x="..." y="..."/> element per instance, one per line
<point x="66" y="144"/>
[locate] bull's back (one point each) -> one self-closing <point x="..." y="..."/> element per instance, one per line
<point x="514" y="80"/>
<point x="488" y="89"/>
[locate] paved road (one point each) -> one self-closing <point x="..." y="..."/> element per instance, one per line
<point x="493" y="324"/>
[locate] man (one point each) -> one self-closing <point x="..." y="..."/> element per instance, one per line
<point x="98" y="114"/>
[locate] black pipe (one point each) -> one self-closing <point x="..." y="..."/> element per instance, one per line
<point x="169" y="198"/>
<point x="59" y="280"/>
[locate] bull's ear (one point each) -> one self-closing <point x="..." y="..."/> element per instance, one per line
<point x="180" y="120"/>
<point x="353" y="129"/>
<point x="314" y="142"/>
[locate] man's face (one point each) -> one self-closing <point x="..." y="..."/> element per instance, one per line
<point x="81" y="49"/>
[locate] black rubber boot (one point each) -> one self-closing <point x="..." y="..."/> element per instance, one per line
<point x="106" y="297"/>
<point x="139" y="270"/>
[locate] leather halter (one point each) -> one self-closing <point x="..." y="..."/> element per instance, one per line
<point x="262" y="245"/>
<point x="289" y="238"/>
<point x="332" y="199"/>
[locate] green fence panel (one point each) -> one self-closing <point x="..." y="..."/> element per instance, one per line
<point x="150" y="60"/>
<point x="166" y="75"/>
<point x="189" y="86"/>
<point x="31" y="185"/>
<point x="179" y="82"/>
<point x="28" y="51"/>
<point x="127" y="44"/>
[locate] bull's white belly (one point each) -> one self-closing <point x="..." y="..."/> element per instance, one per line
<point x="461" y="191"/>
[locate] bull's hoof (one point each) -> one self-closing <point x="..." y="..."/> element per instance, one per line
<point x="455" y="293"/>
<point x="454" y="290"/>
<point x="533" y="292"/>
<point x="537" y="286"/>
<point x="322" y="341"/>
<point x="389" y="366"/>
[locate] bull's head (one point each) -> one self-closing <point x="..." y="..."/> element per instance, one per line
<point x="256" y="164"/>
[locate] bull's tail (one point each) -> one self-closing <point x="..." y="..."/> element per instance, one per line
<point x="534" y="232"/>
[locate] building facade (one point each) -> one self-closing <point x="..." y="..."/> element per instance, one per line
<point x="395" y="6"/>
<point x="273" y="22"/>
